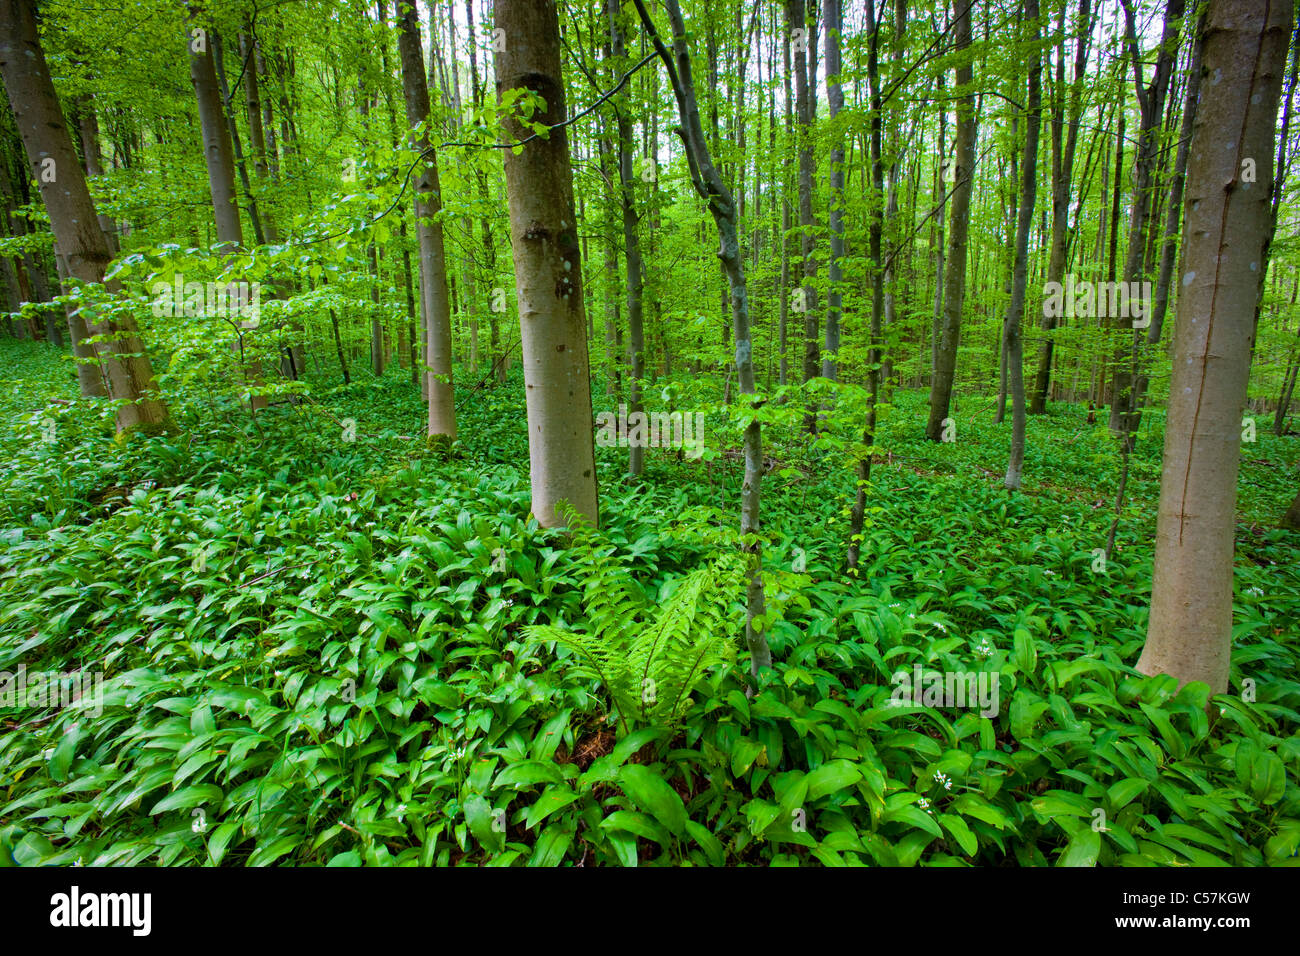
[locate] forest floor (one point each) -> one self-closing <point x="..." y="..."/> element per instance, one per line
<point x="301" y="648"/>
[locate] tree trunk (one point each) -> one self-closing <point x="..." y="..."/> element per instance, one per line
<point x="1020" y="275"/>
<point x="806" y="296"/>
<point x="92" y="158"/>
<point x="40" y="122"/>
<point x="1062" y="174"/>
<point x="835" y="220"/>
<point x="631" y="240"/>
<point x="1173" y="220"/>
<point x="858" y="512"/>
<point x="548" y="270"/>
<point x="955" y="280"/>
<point x="710" y="187"/>
<point x="1151" y="107"/>
<point x="217" y="151"/>
<point x="1190" y="631"/>
<point x="433" y="261"/>
<point x="1291" y="520"/>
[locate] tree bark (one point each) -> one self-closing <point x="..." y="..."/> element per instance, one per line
<point x="1062" y="175"/>
<point x="72" y="214"/>
<point x="548" y="269"/>
<point x="631" y="240"/>
<point x="835" y="219"/>
<point x="1190" y="631"/>
<point x="1020" y="274"/>
<point x="710" y="187"/>
<point x="806" y="298"/>
<point x="955" y="280"/>
<point x="1151" y="107"/>
<point x="428" y="230"/>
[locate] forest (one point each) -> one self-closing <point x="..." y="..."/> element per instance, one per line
<point x="779" y="433"/>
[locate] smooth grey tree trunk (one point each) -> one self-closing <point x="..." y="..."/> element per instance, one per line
<point x="548" y="270"/>
<point x="1189" y="634"/>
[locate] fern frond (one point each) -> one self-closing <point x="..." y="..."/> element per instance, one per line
<point x="687" y="655"/>
<point x="648" y="666"/>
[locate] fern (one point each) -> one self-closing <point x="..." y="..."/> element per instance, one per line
<point x="648" y="658"/>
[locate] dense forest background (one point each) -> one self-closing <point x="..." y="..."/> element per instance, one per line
<point x="498" y="433"/>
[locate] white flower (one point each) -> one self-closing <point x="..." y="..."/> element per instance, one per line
<point x="940" y="777"/>
<point x="1255" y="591"/>
<point x="924" y="804"/>
<point x="1049" y="572"/>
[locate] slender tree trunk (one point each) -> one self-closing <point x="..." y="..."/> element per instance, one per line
<point x="92" y="158"/>
<point x="1173" y="220"/>
<point x="941" y="190"/>
<point x="1020" y="275"/>
<point x="1291" y="520"/>
<point x="631" y="240"/>
<point x="710" y="187"/>
<point x="858" y="512"/>
<point x="1062" y="175"/>
<point x="835" y="220"/>
<point x="955" y="281"/>
<point x="433" y="262"/>
<point x="1190" y="631"/>
<point x="1151" y="106"/>
<point x="806" y="296"/>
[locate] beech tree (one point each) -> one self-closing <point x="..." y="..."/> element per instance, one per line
<point x="1020" y="273"/>
<point x="1190" y="629"/>
<point x="955" y="277"/>
<point x="73" y="219"/>
<point x="548" y="267"/>
<point x="434" y="298"/>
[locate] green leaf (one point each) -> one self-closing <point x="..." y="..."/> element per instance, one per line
<point x="960" y="832"/>
<point x="833" y="776"/>
<point x="551" y="845"/>
<point x="651" y="793"/>
<point x="1123" y="792"/>
<point x="1082" y="850"/>
<point x="480" y="817"/>
<point x="554" y="798"/>
<point x="188" y="797"/>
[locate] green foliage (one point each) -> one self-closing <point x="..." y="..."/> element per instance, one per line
<point x="320" y="652"/>
<point x="649" y="656"/>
